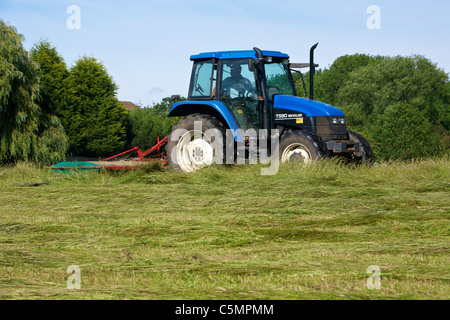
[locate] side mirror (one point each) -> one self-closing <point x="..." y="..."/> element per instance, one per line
<point x="251" y="65"/>
<point x="301" y="65"/>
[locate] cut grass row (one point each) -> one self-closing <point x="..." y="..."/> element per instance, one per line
<point x="227" y="233"/>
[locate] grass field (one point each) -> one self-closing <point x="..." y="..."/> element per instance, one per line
<point x="227" y="233"/>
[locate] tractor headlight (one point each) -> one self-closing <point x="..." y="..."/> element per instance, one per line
<point x="338" y="120"/>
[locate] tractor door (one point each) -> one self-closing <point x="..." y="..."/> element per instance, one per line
<point x="239" y="92"/>
<point x="203" y="80"/>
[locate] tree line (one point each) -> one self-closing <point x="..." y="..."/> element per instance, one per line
<point x="400" y="104"/>
<point x="48" y="110"/>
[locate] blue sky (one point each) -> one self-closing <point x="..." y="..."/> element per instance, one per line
<point x="145" y="45"/>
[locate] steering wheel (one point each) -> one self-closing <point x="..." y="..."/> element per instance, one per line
<point x="251" y="94"/>
<point x="244" y="90"/>
<point x="238" y="87"/>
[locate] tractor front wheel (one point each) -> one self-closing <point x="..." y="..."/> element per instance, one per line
<point x="302" y="147"/>
<point x="365" y="153"/>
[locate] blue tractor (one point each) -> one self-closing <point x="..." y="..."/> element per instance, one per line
<point x="252" y="90"/>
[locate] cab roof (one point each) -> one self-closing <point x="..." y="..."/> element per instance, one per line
<point x="237" y="54"/>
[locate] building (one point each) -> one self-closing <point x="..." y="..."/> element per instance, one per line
<point x="128" y="105"/>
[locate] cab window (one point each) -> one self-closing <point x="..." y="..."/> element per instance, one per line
<point x="203" y="79"/>
<point x="277" y="80"/>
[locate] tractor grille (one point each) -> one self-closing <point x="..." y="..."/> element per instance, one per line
<point x="328" y="130"/>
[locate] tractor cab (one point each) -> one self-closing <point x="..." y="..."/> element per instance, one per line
<point x="233" y="79"/>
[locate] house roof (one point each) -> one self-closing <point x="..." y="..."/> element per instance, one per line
<point x="128" y="105"/>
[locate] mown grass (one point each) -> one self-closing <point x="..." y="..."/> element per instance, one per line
<point x="227" y="233"/>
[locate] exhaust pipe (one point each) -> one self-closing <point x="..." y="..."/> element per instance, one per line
<point x="312" y="71"/>
<point x="258" y="54"/>
<point x="266" y="115"/>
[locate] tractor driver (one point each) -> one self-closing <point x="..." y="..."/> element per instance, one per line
<point x="236" y="85"/>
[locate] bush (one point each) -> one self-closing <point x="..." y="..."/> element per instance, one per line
<point x="146" y="124"/>
<point x="400" y="104"/>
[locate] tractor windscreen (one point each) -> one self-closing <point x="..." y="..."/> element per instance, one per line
<point x="278" y="79"/>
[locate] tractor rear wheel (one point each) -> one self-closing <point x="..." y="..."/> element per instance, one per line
<point x="300" y="146"/>
<point x="196" y="141"/>
<point x="365" y="153"/>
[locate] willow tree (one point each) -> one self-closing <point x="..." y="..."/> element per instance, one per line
<point x="26" y="131"/>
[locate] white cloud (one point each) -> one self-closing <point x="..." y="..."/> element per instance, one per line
<point x="156" y="91"/>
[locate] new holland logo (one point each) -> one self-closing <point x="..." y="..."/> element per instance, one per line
<point x="288" y="116"/>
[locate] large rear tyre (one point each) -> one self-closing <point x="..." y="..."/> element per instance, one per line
<point x="301" y="147"/>
<point x="365" y="153"/>
<point x="196" y="141"/>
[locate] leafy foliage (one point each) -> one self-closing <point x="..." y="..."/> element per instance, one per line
<point x="84" y="99"/>
<point x="330" y="81"/>
<point x="146" y="124"/>
<point x="54" y="77"/>
<point x="327" y="82"/>
<point x="93" y="117"/>
<point x="401" y="104"/>
<point x="27" y="132"/>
